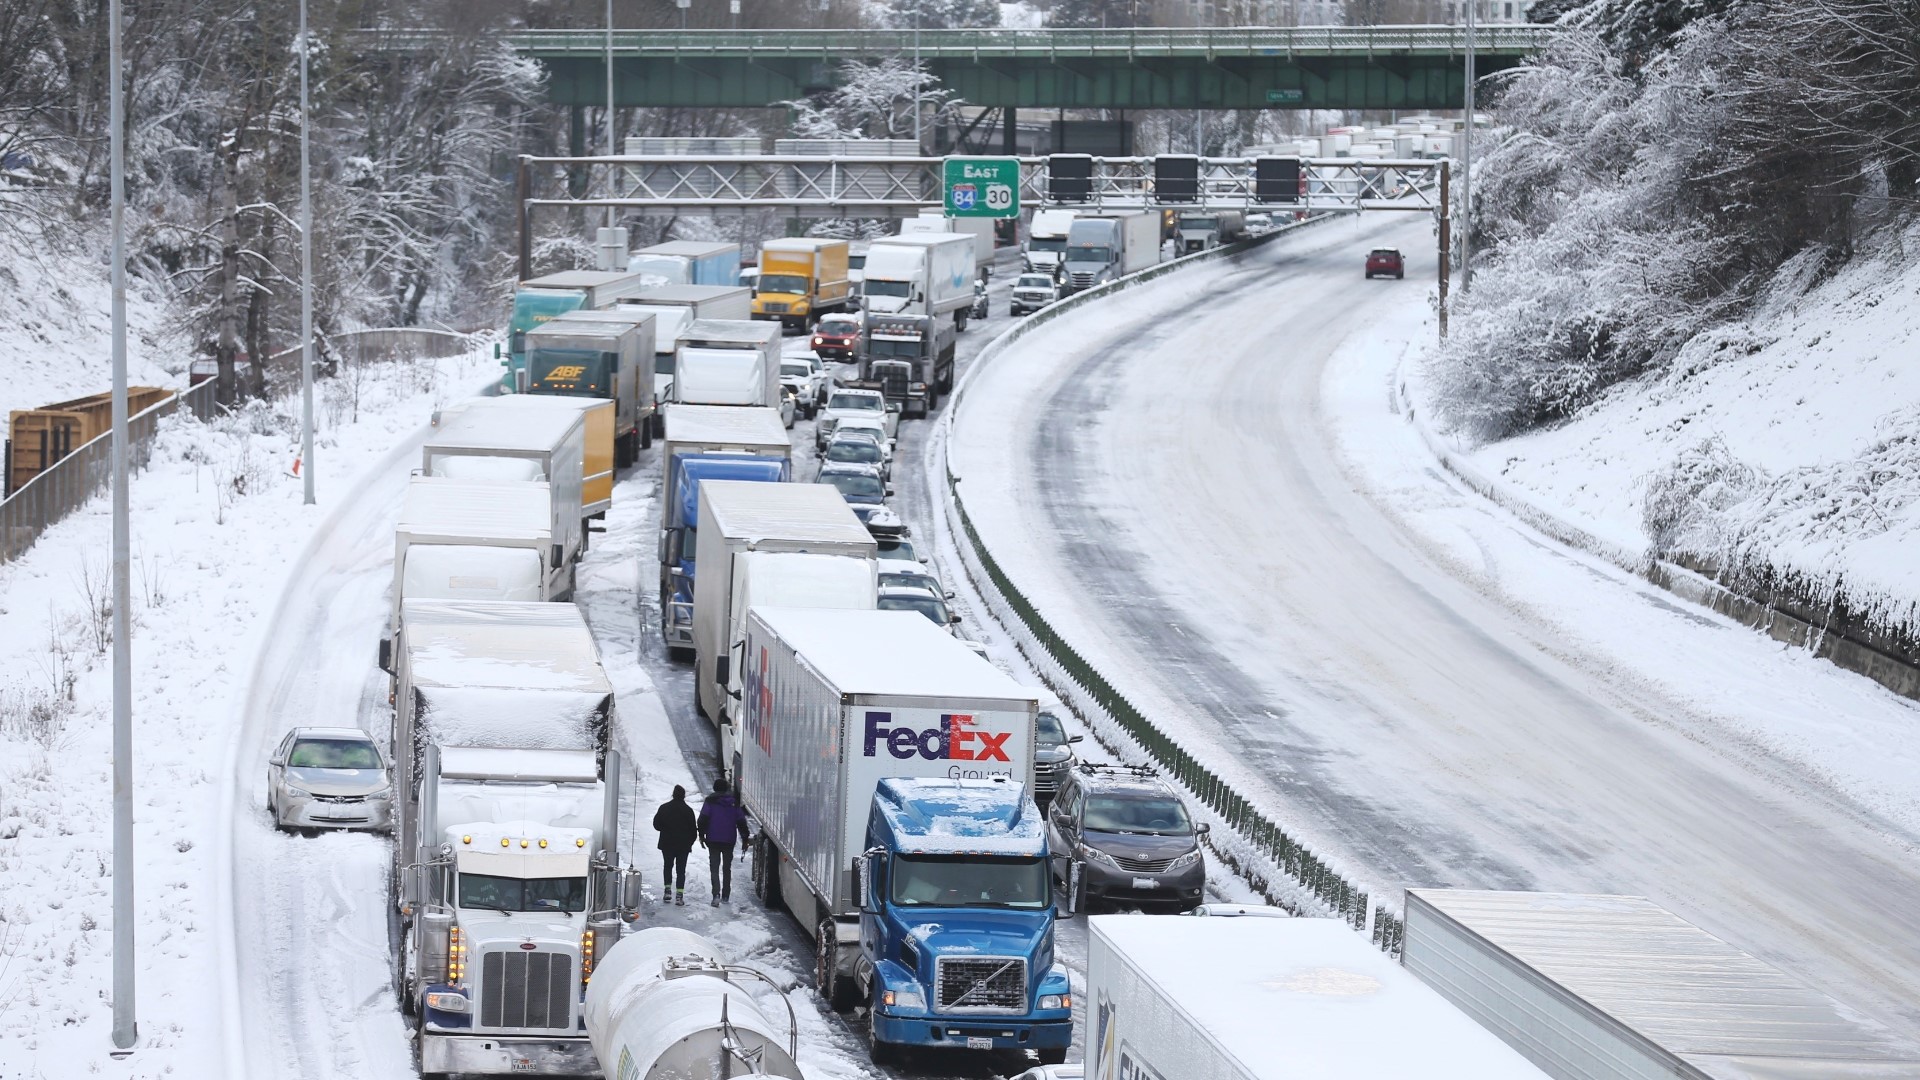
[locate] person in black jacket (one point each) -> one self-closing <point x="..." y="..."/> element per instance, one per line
<point x="675" y="823"/>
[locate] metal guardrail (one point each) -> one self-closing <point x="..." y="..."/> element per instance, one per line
<point x="1280" y="41"/>
<point x="67" y="484"/>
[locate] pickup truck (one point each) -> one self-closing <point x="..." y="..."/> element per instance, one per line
<point x="1031" y="292"/>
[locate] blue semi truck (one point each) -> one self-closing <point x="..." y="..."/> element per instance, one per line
<point x="706" y="442"/>
<point x="889" y="770"/>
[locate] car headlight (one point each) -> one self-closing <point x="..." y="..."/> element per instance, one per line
<point x="1056" y="1001"/>
<point x="296" y="792"/>
<point x="1095" y="855"/>
<point x="904" y="999"/>
<point x="1184" y="861"/>
<point x="447" y="1001"/>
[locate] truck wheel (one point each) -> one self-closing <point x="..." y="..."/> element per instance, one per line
<point x="960" y="321"/>
<point x="659" y="425"/>
<point x="883" y="1054"/>
<point x="646" y="434"/>
<point x="766" y="873"/>
<point x="836" y="991"/>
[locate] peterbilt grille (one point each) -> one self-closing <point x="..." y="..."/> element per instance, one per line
<point x="522" y="988"/>
<point x="1143" y="866"/>
<point x="980" y="984"/>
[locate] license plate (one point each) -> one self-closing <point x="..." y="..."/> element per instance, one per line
<point x="976" y="1042"/>
<point x="1145" y="883"/>
<point x="523" y="1065"/>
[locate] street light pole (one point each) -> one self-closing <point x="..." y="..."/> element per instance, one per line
<point x="126" y="1030"/>
<point x="306" y="275"/>
<point x="610" y="149"/>
<point x="919" y="145"/>
<point x="1466" y="164"/>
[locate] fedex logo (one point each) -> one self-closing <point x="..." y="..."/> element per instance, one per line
<point x="953" y="740"/>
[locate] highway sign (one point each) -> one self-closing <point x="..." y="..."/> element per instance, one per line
<point x="982" y="187"/>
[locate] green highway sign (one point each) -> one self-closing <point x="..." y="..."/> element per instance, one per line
<point x="1276" y="97"/>
<point x="982" y="187"/>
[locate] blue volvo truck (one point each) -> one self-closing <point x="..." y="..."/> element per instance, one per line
<point x="889" y="771"/>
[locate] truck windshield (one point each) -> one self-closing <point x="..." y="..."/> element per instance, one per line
<point x="1197" y="223"/>
<point x="969" y="881"/>
<point x="1154" y="815"/>
<point x="883" y="347"/>
<point x="571" y="372"/>
<point x="883" y="287"/>
<point x="783" y="283"/>
<point x="490" y="893"/>
<point x="1090" y="254"/>
<point x="1047" y="243"/>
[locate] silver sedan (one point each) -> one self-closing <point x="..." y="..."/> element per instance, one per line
<point x="329" y="778"/>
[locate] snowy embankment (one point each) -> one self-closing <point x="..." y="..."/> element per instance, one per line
<point x="56" y="343"/>
<point x="217" y="524"/>
<point x="1784" y="448"/>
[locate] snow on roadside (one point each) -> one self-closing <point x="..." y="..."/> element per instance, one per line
<point x="217" y="516"/>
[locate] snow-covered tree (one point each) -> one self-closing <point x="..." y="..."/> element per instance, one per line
<point x="875" y="100"/>
<point x="941" y="14"/>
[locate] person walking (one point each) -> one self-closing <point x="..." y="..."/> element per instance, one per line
<point x="675" y="823"/>
<point x="722" y="821"/>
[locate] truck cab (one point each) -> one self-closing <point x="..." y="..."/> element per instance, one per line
<point x="956" y="921"/>
<point x="923" y="346"/>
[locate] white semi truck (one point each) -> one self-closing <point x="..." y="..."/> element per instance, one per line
<point x="774" y="545"/>
<point x="934" y="219"/>
<point x="1110" y="246"/>
<point x="529" y="444"/>
<point x="1257" y="998"/>
<point x="723" y="362"/>
<point x="507" y="875"/>
<point x="927" y="274"/>
<point x="1046" y="241"/>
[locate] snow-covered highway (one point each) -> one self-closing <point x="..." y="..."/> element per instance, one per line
<point x="1173" y="476"/>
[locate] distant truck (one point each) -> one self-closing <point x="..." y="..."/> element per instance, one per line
<point x="723" y="362"/>
<point x="674" y="308"/>
<point x="689" y="262"/>
<point x="506" y="859"/>
<point x="1259" y="998"/>
<point x="600" y="354"/>
<point x="801" y="279"/>
<point x="888" y="768"/>
<point x="1046" y="241"/>
<point x="927" y="274"/>
<point x="774" y="545"/>
<point x="1599" y="987"/>
<point x="1199" y="230"/>
<point x="923" y="345"/>
<point x="1103" y="249"/>
<point x="542" y="298"/>
<point x="706" y="442"/>
<point x="526" y="445"/>
<point x="596" y="493"/>
<point x="934" y="220"/>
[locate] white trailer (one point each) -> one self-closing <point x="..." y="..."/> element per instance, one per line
<point x="826" y="560"/>
<point x="934" y="219"/>
<point x="833" y="702"/>
<point x="674" y="308"/>
<point x="525" y="445"/>
<point x="1606" y="987"/>
<point x="925" y="274"/>
<point x="1254" y="998"/>
<point x="726" y="362"/>
<point x="1046" y="240"/>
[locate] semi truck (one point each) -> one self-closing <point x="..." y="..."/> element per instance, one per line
<point x="507" y="875"/>
<point x="474" y="540"/>
<point x="596" y="464"/>
<point x="1108" y="247"/>
<point x="934" y="219"/>
<point x="526" y="444"/>
<point x="1253" y="997"/>
<point x="1046" y="241"/>
<point x="1198" y="230"/>
<point x="600" y="354"/>
<point x="689" y="262"/>
<point x="706" y="442"/>
<point x="1598" y="987"/>
<point x="889" y="768"/>
<point x="673" y="308"/>
<point x="928" y="274"/>
<point x="801" y="279"/>
<point x="777" y="545"/>
<point x="723" y="362"/>
<point x="542" y="298"/>
<point x="909" y="358"/>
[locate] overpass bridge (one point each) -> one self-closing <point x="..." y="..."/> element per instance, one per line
<point x="1298" y="67"/>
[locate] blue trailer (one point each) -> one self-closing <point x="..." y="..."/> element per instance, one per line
<point x="706" y="442"/>
<point x="690" y="262"/>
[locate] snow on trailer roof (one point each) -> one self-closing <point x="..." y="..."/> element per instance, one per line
<point x="729" y="332"/>
<point x="933" y="816"/>
<point x="532" y="766"/>
<point x="579" y="279"/>
<point x="890" y="653"/>
<point x="1307" y="999"/>
<point x="729" y="425"/>
<point x="603" y="323"/>
<point x="681" y="295"/>
<point x="535" y="431"/>
<point x="803" y="513"/>
<point x="692" y="248"/>
<point x="1727" y="1014"/>
<point x="504" y="644"/>
<point x="440" y="506"/>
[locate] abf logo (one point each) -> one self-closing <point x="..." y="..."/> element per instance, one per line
<point x="948" y="742"/>
<point x="567" y="371"/>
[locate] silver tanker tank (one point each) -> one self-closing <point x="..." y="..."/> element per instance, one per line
<point x="663" y="1006"/>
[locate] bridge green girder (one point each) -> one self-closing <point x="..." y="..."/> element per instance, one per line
<point x="1306" y="67"/>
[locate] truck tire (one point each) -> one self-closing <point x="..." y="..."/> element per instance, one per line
<point x="646" y="434"/>
<point x="883" y="1054"/>
<point x="659" y="425"/>
<point x="766" y="873"/>
<point x="835" y="990"/>
<point x="960" y="321"/>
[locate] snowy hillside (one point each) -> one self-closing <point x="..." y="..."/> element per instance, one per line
<point x="1788" y="440"/>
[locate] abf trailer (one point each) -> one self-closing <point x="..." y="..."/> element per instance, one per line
<point x="604" y="355"/>
<point x="1249" y="997"/>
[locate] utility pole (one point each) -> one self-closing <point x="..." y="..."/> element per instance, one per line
<point x="306" y="276"/>
<point x="610" y="148"/>
<point x="1466" y="165"/>
<point x="919" y="144"/>
<point x="126" y="1030"/>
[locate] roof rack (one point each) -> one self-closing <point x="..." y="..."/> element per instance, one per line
<point x="1098" y="768"/>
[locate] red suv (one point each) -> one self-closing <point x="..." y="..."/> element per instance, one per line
<point x="836" y="336"/>
<point x="1386" y="261"/>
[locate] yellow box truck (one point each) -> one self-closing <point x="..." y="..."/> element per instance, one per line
<point x="800" y="280"/>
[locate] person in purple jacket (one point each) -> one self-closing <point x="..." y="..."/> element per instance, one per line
<point x="722" y="821"/>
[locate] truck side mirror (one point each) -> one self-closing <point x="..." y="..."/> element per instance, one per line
<point x="559" y="554"/>
<point x="1070" y="903"/>
<point x="863" y="881"/>
<point x="722" y="667"/>
<point x="386" y="655"/>
<point x="663" y="548"/>
<point x="496" y="351"/>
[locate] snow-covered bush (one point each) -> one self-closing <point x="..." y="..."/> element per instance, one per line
<point x="1690" y="503"/>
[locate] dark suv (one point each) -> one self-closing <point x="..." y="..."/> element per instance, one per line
<point x="1385" y="262"/>
<point x="1053" y="755"/>
<point x="1127" y="836"/>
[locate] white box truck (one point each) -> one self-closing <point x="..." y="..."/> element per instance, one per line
<point x="774" y="545"/>
<point x="1601" y="987"/>
<point x="473" y="540"/>
<point x="547" y="445"/>
<point x="1249" y="997"/>
<point x="674" y="308"/>
<point x="933" y="219"/>
<point x="726" y="362"/>
<point x="926" y="274"/>
<point x="1046" y="240"/>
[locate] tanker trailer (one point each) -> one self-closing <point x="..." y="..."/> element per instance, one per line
<point x="663" y="1006"/>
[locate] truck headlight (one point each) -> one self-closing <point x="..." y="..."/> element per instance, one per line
<point x="1056" y="1001"/>
<point x="448" y="1001"/>
<point x="1184" y="861"/>
<point x="904" y="999"/>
